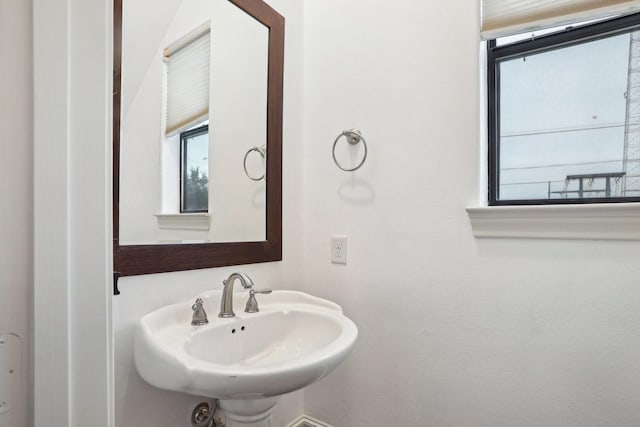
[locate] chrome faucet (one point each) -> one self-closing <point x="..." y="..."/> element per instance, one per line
<point x="226" y="305"/>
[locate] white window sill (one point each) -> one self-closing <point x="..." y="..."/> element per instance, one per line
<point x="614" y="221"/>
<point x="184" y="221"/>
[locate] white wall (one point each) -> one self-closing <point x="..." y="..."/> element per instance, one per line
<point x="16" y="214"/>
<point x="453" y="330"/>
<point x="138" y="403"/>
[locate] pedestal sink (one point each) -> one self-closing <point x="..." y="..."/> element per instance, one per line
<point x="247" y="361"/>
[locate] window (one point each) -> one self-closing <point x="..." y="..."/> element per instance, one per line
<point x="194" y="170"/>
<point x="564" y="115"/>
<point x="186" y="115"/>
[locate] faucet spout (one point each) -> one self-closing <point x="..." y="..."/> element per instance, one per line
<point x="226" y="305"/>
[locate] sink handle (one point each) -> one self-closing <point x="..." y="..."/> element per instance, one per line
<point x="199" y="315"/>
<point x="252" y="303"/>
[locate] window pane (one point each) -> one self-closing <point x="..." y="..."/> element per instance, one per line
<point x="195" y="171"/>
<point x="564" y="131"/>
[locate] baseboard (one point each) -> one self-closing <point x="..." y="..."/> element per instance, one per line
<point x="307" y="421"/>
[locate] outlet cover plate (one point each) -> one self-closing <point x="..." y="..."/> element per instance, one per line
<point x="339" y="249"/>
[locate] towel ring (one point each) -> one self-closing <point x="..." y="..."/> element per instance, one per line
<point x="260" y="150"/>
<point x="353" y="137"/>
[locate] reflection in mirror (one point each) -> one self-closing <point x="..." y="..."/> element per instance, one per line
<point x="197" y="118"/>
<point x="194" y="101"/>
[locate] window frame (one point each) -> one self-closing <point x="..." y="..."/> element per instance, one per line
<point x="570" y="36"/>
<point x="184" y="136"/>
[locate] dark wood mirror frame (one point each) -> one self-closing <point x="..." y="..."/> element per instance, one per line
<point x="129" y="260"/>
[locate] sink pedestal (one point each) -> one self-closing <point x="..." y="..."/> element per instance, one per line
<point x="248" y="413"/>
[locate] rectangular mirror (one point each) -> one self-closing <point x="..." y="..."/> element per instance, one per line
<point x="197" y="134"/>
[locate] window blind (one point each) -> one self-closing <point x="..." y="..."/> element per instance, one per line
<point x="187" y="100"/>
<point x="507" y="17"/>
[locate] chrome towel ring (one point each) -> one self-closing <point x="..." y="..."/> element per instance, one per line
<point x="353" y="137"/>
<point x="260" y="150"/>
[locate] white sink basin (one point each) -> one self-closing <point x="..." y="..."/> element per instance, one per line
<point x="293" y="341"/>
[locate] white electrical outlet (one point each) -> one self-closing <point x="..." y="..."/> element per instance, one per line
<point x="339" y="249"/>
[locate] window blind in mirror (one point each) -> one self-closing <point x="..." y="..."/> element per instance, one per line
<point x="187" y="87"/>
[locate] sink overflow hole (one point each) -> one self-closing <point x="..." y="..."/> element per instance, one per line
<point x="242" y="329"/>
